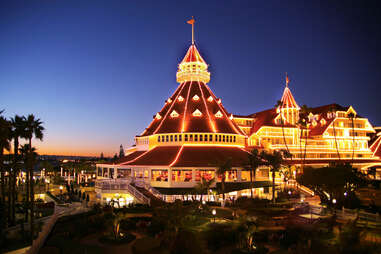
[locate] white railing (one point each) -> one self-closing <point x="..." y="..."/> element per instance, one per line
<point x="121" y="184"/>
<point x="154" y="192"/>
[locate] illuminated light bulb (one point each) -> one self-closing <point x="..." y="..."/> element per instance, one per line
<point x="219" y="101"/>
<point x="158" y="116"/>
<point x="169" y="100"/>
<point x="210" y="99"/>
<point x="231" y="116"/>
<point x="180" y="98"/>
<point x="174" y="114"/>
<point x="196" y="98"/>
<point x="218" y="114"/>
<point x="197" y="113"/>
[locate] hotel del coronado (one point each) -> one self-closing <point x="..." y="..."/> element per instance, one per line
<point x="193" y="132"/>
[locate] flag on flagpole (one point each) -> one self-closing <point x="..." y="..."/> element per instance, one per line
<point x="191" y="21"/>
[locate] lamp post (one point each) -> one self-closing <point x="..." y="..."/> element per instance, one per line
<point x="47" y="181"/>
<point x="214" y="214"/>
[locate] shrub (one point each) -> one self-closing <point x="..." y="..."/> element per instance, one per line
<point x="145" y="245"/>
<point x="220" y="235"/>
<point x="186" y="242"/>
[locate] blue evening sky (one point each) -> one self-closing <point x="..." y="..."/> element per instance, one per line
<point x="97" y="71"/>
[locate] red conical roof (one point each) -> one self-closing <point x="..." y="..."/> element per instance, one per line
<point x="192" y="108"/>
<point x="192" y="55"/>
<point x="288" y="100"/>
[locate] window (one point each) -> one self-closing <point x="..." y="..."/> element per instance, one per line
<point x="210" y="137"/>
<point x="180" y="137"/>
<point x="190" y="137"/>
<point x="219" y="138"/>
<point x="206" y="137"/>
<point x="216" y="138"/>
<point x="205" y="174"/>
<point x="186" y="137"/>
<point x="171" y="138"/>
<point x="175" y="138"/>
<point x="230" y="139"/>
<point x="105" y="172"/>
<point x="223" y="138"/>
<point x="158" y="138"/>
<point x="182" y="175"/>
<point x="196" y="137"/>
<point x="234" y="139"/>
<point x="159" y="175"/>
<point x="99" y="171"/>
<point x="200" y="137"/>
<point x="166" y="138"/>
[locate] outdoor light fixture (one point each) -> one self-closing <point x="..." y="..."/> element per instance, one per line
<point x="345" y="193"/>
<point x="214" y="214"/>
<point x="289" y="192"/>
<point x="334" y="200"/>
<point x="203" y="202"/>
<point x="61" y="187"/>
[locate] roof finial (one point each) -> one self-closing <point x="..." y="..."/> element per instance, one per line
<point x="287" y="80"/>
<point x="191" y="21"/>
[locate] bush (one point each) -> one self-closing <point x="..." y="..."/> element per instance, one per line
<point x="145" y="245"/>
<point x="186" y="242"/>
<point x="245" y="202"/>
<point x="122" y="239"/>
<point x="220" y="235"/>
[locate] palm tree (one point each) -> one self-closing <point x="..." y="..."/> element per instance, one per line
<point x="222" y="168"/>
<point x="203" y="186"/>
<point x="352" y="117"/>
<point x="18" y="125"/>
<point x="254" y="161"/>
<point x="35" y="129"/>
<point x="333" y="111"/>
<point x="4" y="145"/>
<point x="274" y="161"/>
<point x="303" y="125"/>
<point x="280" y="105"/>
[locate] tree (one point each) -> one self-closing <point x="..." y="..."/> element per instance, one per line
<point x="280" y="106"/>
<point x="303" y="125"/>
<point x="35" y="129"/>
<point x="203" y="186"/>
<point x="18" y="130"/>
<point x="332" y="181"/>
<point x="5" y="138"/>
<point x="352" y="116"/>
<point x="101" y="157"/>
<point x="121" y="152"/>
<point x="274" y="161"/>
<point x="254" y="161"/>
<point x="332" y="110"/>
<point x="222" y="168"/>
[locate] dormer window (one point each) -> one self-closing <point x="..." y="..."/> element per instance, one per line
<point x="174" y="114"/>
<point x="180" y="98"/>
<point x="196" y="98"/>
<point x="197" y="113"/>
<point x="210" y="99"/>
<point x="218" y="114"/>
<point x="158" y="116"/>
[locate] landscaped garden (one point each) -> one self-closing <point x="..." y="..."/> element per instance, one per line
<point x="247" y="226"/>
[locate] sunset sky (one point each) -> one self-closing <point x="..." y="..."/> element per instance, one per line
<point x="95" y="72"/>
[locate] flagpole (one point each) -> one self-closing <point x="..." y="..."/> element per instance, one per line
<point x="193" y="33"/>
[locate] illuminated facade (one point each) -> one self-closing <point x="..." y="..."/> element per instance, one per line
<point x="193" y="133"/>
<point x="326" y="134"/>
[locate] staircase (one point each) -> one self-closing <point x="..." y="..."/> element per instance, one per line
<point x="121" y="185"/>
<point x="155" y="200"/>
